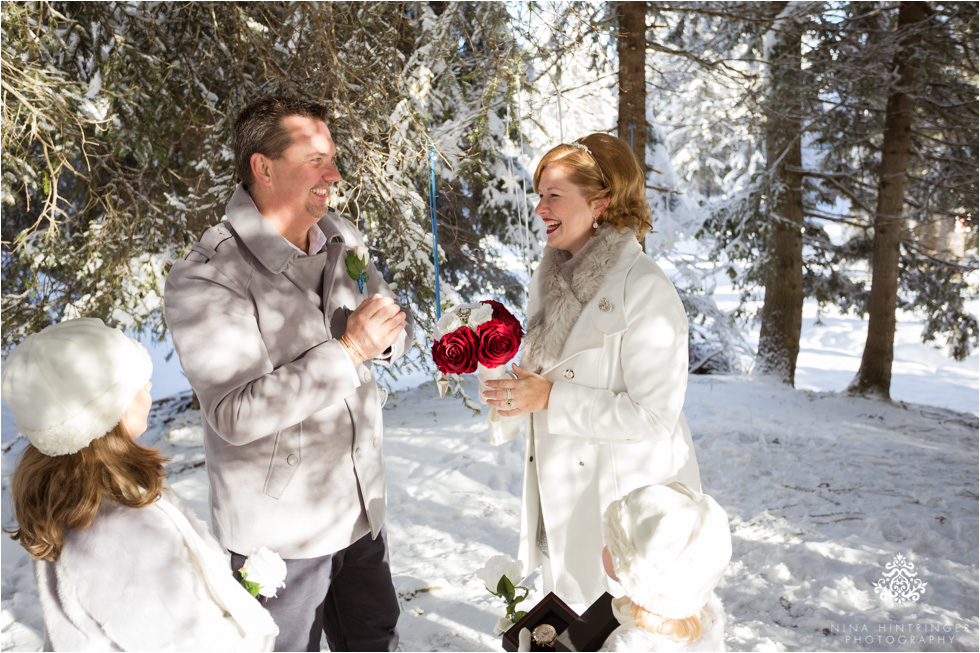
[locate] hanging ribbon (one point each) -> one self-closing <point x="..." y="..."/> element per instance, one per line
<point x="435" y="229"/>
<point x="442" y="383"/>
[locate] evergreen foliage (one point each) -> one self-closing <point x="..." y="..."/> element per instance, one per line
<point x="116" y="121"/>
<point x="116" y="129"/>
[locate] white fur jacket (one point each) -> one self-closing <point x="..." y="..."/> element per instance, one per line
<point x="630" y="637"/>
<point x="147" y="579"/>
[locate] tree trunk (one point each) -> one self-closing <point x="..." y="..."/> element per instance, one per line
<point x="782" y="310"/>
<point x="875" y="374"/>
<point x="632" y="77"/>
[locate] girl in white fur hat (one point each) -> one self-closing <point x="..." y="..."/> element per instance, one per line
<point x="120" y="562"/>
<point x="668" y="547"/>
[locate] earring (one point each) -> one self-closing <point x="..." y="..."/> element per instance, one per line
<point x="595" y="223"/>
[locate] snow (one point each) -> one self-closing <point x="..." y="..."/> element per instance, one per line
<point x="823" y="491"/>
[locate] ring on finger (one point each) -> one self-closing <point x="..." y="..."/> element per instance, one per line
<point x="510" y="403"/>
<point x="508" y="394"/>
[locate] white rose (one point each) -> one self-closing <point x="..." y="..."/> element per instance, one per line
<point x="503" y="625"/>
<point x="479" y="314"/>
<point x="265" y="568"/>
<point x="448" y="323"/>
<point x="499" y="566"/>
<point x="361" y="253"/>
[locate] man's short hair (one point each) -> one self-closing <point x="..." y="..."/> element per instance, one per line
<point x="260" y="128"/>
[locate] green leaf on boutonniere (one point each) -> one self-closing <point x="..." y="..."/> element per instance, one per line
<point x="505" y="588"/>
<point x="355" y="267"/>
<point x="253" y="588"/>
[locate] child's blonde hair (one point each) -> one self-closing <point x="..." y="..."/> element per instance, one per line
<point x="683" y="631"/>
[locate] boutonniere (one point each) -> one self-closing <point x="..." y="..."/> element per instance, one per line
<point x="502" y="577"/>
<point x="357" y="266"/>
<point x="263" y="573"/>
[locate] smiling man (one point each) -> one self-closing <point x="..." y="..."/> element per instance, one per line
<point x="278" y="341"/>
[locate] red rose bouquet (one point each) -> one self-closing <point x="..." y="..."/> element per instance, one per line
<point x="469" y="336"/>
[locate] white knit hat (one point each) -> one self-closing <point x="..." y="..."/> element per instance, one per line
<point x="669" y="547"/>
<point x="71" y="383"/>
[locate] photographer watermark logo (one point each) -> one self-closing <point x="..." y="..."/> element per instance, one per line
<point x="899" y="581"/>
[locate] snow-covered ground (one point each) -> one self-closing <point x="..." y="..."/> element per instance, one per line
<point x="823" y="491"/>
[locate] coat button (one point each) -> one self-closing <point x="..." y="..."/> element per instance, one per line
<point x="366" y="376"/>
<point x="375" y="443"/>
<point x="581" y="464"/>
<point x="292" y="459"/>
<point x="569" y="374"/>
<point x="531" y="459"/>
<point x="357" y="452"/>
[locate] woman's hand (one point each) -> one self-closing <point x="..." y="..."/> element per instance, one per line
<point x="528" y="393"/>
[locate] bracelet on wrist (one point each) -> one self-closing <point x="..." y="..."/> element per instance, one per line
<point x="349" y="344"/>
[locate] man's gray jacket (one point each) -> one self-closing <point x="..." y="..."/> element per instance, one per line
<point x="292" y="431"/>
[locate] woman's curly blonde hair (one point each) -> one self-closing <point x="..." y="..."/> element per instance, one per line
<point x="604" y="166"/>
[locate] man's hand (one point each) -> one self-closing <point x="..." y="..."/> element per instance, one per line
<point x="374" y="326"/>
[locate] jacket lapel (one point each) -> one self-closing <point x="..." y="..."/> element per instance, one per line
<point x="337" y="296"/>
<point x="604" y="314"/>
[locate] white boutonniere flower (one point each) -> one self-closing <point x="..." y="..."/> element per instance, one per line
<point x="263" y="573"/>
<point x="362" y="254"/>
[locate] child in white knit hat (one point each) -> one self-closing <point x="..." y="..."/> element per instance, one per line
<point x="668" y="547"/>
<point x="120" y="562"/>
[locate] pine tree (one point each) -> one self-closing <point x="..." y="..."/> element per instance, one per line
<point x="782" y="310"/>
<point x="116" y="122"/>
<point x="874" y="375"/>
<point x="941" y="184"/>
<point x="631" y="47"/>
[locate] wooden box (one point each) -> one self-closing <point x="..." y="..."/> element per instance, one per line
<point x="550" y="610"/>
<point x="589" y="632"/>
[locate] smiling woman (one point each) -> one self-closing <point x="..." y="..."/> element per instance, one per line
<point x="600" y="389"/>
<point x="568" y="212"/>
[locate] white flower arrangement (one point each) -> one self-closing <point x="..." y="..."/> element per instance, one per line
<point x="468" y="315"/>
<point x="502" y="577"/>
<point x="263" y="573"/>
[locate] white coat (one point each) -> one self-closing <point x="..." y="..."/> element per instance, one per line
<point x="614" y="421"/>
<point x="147" y="579"/>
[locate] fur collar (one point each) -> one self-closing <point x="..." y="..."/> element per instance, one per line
<point x="566" y="284"/>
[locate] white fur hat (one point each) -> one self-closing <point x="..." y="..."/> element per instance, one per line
<point x="669" y="547"/>
<point x="71" y="383"/>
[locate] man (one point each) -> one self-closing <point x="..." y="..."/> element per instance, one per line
<point x="277" y="339"/>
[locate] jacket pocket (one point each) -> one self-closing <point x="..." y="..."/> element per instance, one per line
<point x="287" y="456"/>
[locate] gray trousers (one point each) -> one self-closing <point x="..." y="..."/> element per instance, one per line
<point x="348" y="595"/>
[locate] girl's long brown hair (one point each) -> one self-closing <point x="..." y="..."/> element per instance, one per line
<point x="55" y="493"/>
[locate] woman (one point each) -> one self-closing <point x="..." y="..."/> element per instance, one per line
<point x="603" y="366"/>
<point x="121" y="563"/>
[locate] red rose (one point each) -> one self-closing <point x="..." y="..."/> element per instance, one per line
<point x="501" y="314"/>
<point x="498" y="343"/>
<point x="455" y="353"/>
